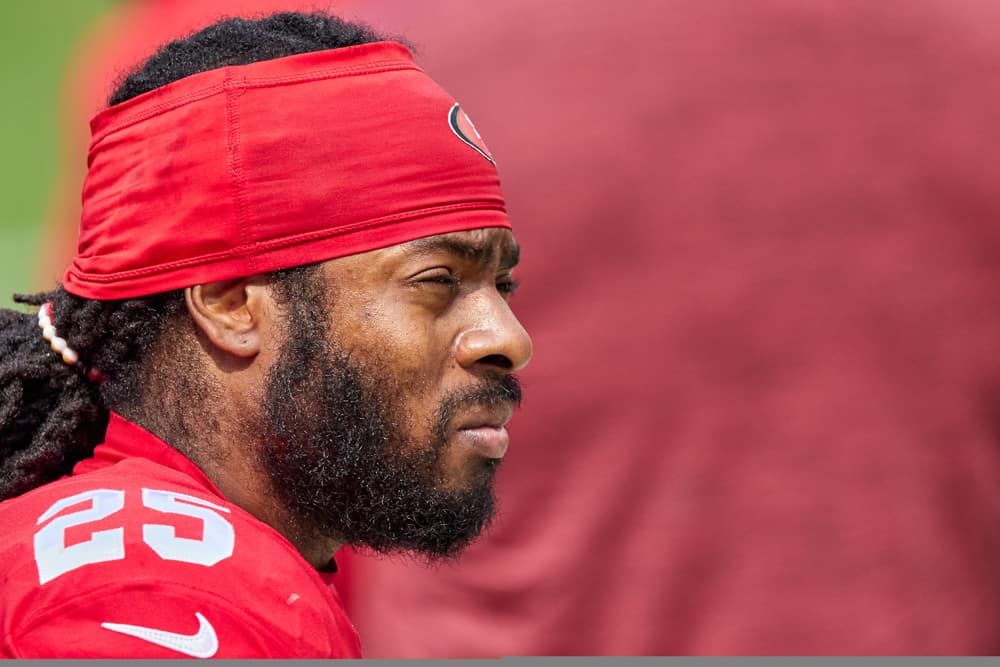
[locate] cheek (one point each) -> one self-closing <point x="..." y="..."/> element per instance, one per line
<point x="413" y="348"/>
<point x="407" y="349"/>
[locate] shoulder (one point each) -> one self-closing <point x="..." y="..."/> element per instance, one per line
<point x="134" y="544"/>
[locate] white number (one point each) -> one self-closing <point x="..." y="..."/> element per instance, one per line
<point x="52" y="555"/>
<point x="217" y="538"/>
<point x="54" y="558"/>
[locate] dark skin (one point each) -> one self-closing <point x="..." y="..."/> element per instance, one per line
<point x="435" y="311"/>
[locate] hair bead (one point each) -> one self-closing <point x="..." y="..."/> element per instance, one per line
<point x="59" y="345"/>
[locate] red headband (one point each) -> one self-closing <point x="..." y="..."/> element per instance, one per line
<point x="249" y="169"/>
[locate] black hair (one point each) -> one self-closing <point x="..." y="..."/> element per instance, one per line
<point x="51" y="415"/>
<point x="237" y="41"/>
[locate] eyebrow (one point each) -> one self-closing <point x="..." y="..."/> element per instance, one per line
<point x="481" y="254"/>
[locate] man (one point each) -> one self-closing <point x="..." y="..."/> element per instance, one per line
<point x="287" y="325"/>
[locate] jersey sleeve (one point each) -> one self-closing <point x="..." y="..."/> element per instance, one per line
<point x="153" y="621"/>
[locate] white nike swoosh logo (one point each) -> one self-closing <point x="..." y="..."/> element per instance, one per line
<point x="202" y="644"/>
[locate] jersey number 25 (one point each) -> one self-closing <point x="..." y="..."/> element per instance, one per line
<point x="54" y="558"/>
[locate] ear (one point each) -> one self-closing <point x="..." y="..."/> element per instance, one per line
<point x="231" y="313"/>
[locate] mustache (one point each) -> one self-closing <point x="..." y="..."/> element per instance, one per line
<point x="494" y="390"/>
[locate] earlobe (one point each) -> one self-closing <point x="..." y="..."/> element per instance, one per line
<point x="229" y="313"/>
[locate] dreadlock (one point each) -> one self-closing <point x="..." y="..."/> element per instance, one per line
<point x="51" y="415"/>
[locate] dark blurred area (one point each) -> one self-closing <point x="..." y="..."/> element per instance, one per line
<point x="761" y="260"/>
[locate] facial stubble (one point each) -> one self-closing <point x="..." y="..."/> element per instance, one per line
<point x="343" y="462"/>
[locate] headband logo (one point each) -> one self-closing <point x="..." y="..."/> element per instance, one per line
<point x="466" y="131"/>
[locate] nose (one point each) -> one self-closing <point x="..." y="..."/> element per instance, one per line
<point x="495" y="339"/>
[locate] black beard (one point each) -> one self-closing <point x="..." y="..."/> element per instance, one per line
<point x="342" y="465"/>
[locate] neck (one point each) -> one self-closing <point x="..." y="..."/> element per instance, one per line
<point x="210" y="411"/>
<point x="245" y="485"/>
<point x="227" y="453"/>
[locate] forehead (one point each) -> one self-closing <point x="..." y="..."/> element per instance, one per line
<point x="485" y="246"/>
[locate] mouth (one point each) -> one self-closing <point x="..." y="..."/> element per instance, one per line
<point x="484" y="430"/>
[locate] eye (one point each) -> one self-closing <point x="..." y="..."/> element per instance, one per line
<point x="448" y="280"/>
<point x="507" y="285"/>
<point x="437" y="277"/>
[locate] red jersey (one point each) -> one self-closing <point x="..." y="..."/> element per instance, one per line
<point x="138" y="554"/>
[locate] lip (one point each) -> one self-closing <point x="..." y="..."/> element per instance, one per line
<point x="484" y="430"/>
<point x="490" y="442"/>
<point x="492" y="417"/>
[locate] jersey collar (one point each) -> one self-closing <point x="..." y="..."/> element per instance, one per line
<point x="126" y="440"/>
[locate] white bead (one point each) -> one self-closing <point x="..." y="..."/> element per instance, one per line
<point x="44" y="321"/>
<point x="49" y="332"/>
<point x="70" y="356"/>
<point x="58" y="344"/>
